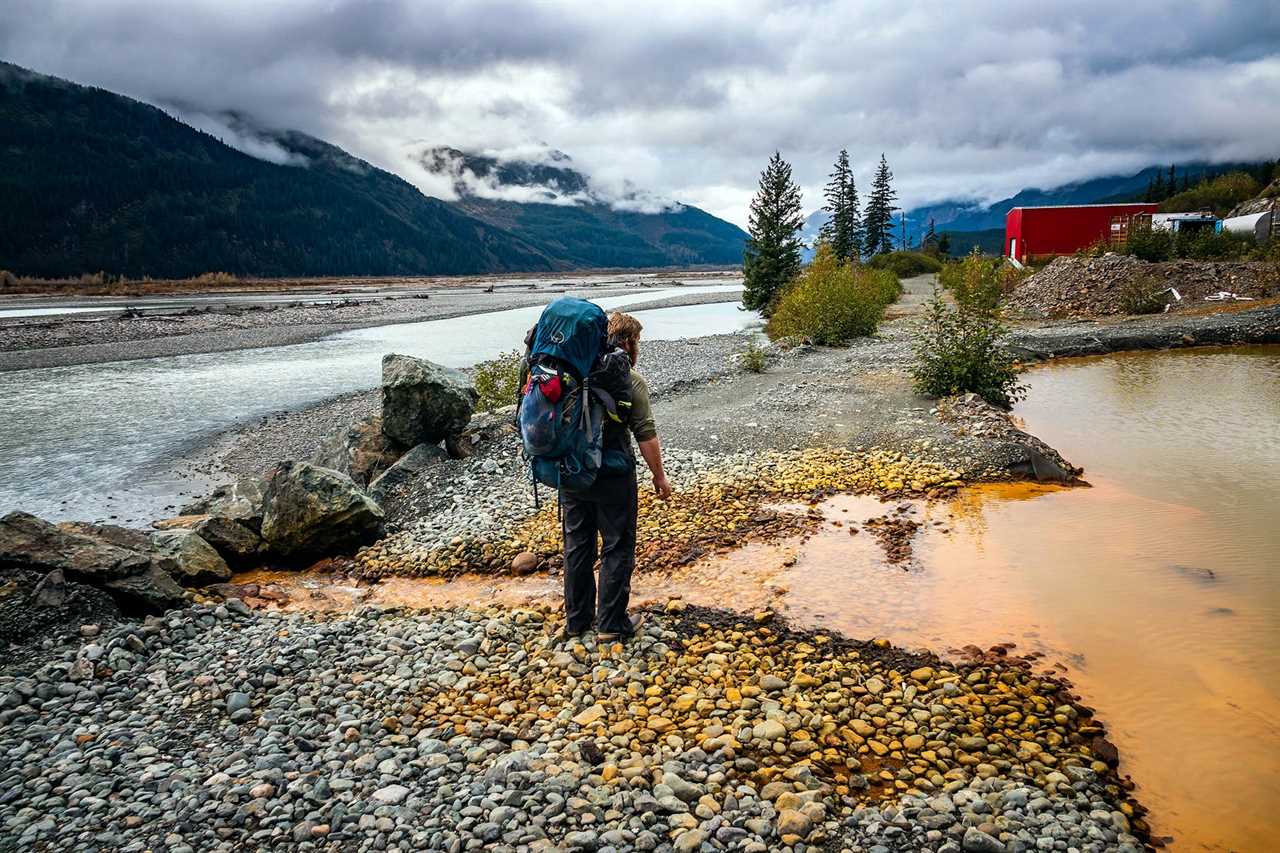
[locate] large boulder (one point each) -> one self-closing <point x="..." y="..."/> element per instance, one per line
<point x="406" y="468"/>
<point x="309" y="511"/>
<point x="33" y="543"/>
<point x="151" y="591"/>
<point x="424" y="402"/>
<point x="362" y="452"/>
<point x="121" y="537"/>
<point x="241" y="501"/>
<point x="194" y="560"/>
<point x="120" y="561"/>
<point x="237" y="542"/>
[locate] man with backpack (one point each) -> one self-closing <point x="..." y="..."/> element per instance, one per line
<point x="580" y="407"/>
<point x="609" y="508"/>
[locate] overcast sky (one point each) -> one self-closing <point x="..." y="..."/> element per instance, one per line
<point x="688" y="99"/>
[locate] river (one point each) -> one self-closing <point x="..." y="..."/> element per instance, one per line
<point x="98" y="441"/>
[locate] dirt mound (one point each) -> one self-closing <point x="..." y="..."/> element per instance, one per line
<point x="1091" y="287"/>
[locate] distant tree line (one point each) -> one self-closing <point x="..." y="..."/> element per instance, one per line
<point x="1164" y="185"/>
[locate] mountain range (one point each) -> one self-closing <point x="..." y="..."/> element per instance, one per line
<point x="92" y="180"/>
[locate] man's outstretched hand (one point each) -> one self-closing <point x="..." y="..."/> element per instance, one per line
<point x="662" y="487"/>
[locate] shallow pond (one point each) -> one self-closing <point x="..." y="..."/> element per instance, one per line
<point x="97" y="441"/>
<point x="1158" y="588"/>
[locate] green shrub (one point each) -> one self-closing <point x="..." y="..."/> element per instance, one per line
<point x="1202" y="244"/>
<point x="1148" y="244"/>
<point x="976" y="281"/>
<point x="752" y="358"/>
<point x="1218" y="194"/>
<point x="497" y="381"/>
<point x="958" y="352"/>
<point x="1206" y="244"/>
<point x="906" y="264"/>
<point x="1142" y="296"/>
<point x="830" y="302"/>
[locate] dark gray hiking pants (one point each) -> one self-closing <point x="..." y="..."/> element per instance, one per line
<point x="609" y="512"/>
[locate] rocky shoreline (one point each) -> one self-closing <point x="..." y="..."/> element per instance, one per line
<point x="1161" y="331"/>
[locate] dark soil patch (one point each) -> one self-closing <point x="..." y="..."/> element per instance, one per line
<point x="30" y="633"/>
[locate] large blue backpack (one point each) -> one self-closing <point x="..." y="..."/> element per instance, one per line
<point x="560" y="422"/>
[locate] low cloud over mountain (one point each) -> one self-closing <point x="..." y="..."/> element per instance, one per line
<point x="973" y="100"/>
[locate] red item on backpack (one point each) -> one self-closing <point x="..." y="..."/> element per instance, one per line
<point x="551" y="388"/>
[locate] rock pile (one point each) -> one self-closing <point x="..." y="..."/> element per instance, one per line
<point x="1093" y="287"/>
<point x="423" y="404"/>
<point x="362" y="452"/>
<point x="1024" y="456"/>
<point x="461" y="730"/>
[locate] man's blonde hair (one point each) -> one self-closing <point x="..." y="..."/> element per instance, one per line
<point x="624" y="327"/>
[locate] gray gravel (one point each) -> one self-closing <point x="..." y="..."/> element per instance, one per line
<point x="216" y="729"/>
<point x="1160" y="331"/>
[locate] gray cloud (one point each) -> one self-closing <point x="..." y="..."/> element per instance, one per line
<point x="688" y="100"/>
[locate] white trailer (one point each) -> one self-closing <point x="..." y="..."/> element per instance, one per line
<point x="1258" y="225"/>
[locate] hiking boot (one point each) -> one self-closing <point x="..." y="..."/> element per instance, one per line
<point x="566" y="635"/>
<point x="613" y="636"/>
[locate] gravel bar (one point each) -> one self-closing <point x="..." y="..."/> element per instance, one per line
<point x="220" y="729"/>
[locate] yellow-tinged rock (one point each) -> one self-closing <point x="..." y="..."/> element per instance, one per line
<point x="661" y="725"/>
<point x="587" y="716"/>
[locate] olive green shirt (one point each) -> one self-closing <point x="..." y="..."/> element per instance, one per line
<point x="641" y="419"/>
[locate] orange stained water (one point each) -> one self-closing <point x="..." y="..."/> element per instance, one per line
<point x="1158" y="588"/>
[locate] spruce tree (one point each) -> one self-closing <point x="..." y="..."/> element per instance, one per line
<point x="877" y="224"/>
<point x="842" y="230"/>
<point x="1157" y="192"/>
<point x="772" y="255"/>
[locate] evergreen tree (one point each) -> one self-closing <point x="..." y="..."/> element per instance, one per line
<point x="902" y="219"/>
<point x="877" y="224"/>
<point x="929" y="242"/>
<point x="843" y="228"/>
<point x="1173" y="181"/>
<point x="772" y="256"/>
<point x="1156" y="192"/>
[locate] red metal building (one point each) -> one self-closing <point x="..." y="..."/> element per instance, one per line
<point x="1031" y="232"/>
